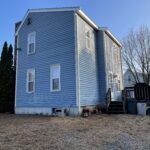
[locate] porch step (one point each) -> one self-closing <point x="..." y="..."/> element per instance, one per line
<point x="115" y="107"/>
<point x="115" y="112"/>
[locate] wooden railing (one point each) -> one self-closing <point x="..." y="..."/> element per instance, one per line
<point x="142" y="92"/>
<point x="108" y="97"/>
<point x="139" y="93"/>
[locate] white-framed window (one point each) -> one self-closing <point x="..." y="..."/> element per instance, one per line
<point x="117" y="82"/>
<point x="55" y="78"/>
<point x="30" y="88"/>
<point x="31" y="43"/>
<point x="116" y="55"/>
<point x="129" y="79"/>
<point x="110" y="79"/>
<point x="88" y="33"/>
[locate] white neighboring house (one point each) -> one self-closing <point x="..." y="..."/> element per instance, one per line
<point x="129" y="80"/>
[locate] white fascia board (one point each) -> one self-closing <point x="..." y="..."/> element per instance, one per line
<point x="22" y="22"/>
<point x="114" y="38"/>
<point x="105" y="29"/>
<point x="87" y="19"/>
<point x="45" y="10"/>
<point x="55" y="9"/>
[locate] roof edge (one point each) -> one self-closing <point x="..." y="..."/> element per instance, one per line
<point x="105" y="29"/>
<point x="78" y="11"/>
<point x="55" y="9"/>
<point x="87" y="19"/>
<point x="46" y="10"/>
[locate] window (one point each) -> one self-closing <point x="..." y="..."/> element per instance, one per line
<point x="119" y="85"/>
<point x="30" y="80"/>
<point x="129" y="79"/>
<point x="117" y="82"/>
<point x="110" y="79"/>
<point x="116" y="55"/>
<point x="55" y="77"/>
<point x="88" y="37"/>
<point x="31" y="42"/>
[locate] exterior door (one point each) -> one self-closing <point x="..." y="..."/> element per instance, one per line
<point x="114" y="84"/>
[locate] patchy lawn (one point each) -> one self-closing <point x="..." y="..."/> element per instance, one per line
<point x="102" y="132"/>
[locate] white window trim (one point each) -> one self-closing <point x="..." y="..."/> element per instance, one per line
<point x="51" y="83"/>
<point x="110" y="73"/>
<point x="34" y="43"/>
<point x="27" y="90"/>
<point x="16" y="85"/>
<point x="86" y="38"/>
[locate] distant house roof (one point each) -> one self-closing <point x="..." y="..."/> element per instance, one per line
<point x="129" y="73"/>
<point x="77" y="10"/>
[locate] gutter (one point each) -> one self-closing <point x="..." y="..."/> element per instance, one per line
<point x="105" y="29"/>
<point x="87" y="19"/>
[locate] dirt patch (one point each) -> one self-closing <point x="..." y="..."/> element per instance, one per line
<point x="103" y="132"/>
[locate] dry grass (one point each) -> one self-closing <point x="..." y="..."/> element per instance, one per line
<point x="103" y="132"/>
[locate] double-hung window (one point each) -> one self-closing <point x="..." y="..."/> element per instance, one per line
<point x="55" y="77"/>
<point x="30" y="80"/>
<point x="31" y="43"/>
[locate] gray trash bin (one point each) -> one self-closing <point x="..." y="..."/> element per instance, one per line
<point x="141" y="108"/>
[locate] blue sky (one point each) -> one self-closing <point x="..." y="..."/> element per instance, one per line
<point x="118" y="15"/>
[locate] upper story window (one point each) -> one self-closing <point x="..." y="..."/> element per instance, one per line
<point x="30" y="80"/>
<point x="31" y="43"/>
<point x="55" y="77"/>
<point x="129" y="78"/>
<point x="88" y="37"/>
<point x="116" y="55"/>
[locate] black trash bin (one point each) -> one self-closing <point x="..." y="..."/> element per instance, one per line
<point x="131" y="106"/>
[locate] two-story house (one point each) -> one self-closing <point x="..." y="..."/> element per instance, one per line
<point x="64" y="62"/>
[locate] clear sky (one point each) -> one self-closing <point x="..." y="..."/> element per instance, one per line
<point x="118" y="15"/>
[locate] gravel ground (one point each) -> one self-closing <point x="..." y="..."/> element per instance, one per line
<point x="102" y="132"/>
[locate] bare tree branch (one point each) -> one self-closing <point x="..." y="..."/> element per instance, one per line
<point x="136" y="53"/>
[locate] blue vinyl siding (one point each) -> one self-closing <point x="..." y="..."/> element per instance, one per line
<point x="60" y="39"/>
<point x="110" y="60"/>
<point x="101" y="65"/>
<point x="105" y="51"/>
<point x="54" y="45"/>
<point x="87" y="67"/>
